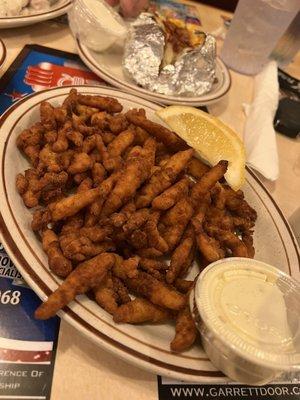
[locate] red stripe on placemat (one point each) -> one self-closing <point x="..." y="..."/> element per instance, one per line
<point x="25" y="356"/>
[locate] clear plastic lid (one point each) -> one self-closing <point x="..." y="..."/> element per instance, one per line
<point x="254" y="309"/>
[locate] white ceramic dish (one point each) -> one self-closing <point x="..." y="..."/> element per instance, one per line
<point x="2" y="53"/>
<point x="146" y="346"/>
<point x="108" y="65"/>
<point x="59" y="8"/>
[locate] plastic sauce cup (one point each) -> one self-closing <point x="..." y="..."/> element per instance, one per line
<point x="96" y="24"/>
<point x="248" y="315"/>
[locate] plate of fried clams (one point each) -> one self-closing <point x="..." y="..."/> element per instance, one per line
<point x="109" y="216"/>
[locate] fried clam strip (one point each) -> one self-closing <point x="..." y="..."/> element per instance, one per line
<point x="78" y="178"/>
<point x="220" y="218"/>
<point x="136" y="220"/>
<point x="121" y="291"/>
<point x="108" y="104"/>
<point x="118" y="123"/>
<point x="247" y="239"/>
<point x="89" y="144"/>
<point x="124" y="269"/>
<point x="129" y="208"/>
<point x="230" y="240"/>
<point x="238" y="206"/>
<point x="73" y="204"/>
<point x="100" y="146"/>
<point x="85" y="112"/>
<point x="243" y="224"/>
<point x="106" y="296"/>
<point x="29" y="142"/>
<point x="61" y="115"/>
<point x="81" y="162"/>
<point x="162" y="134"/>
<point x="138" y="239"/>
<point x="185" y="331"/>
<point x="140" y="310"/>
<point x="189" y="260"/>
<point x="149" y="263"/>
<point x="78" y="248"/>
<point x="183" y="285"/>
<point x="155" y="240"/>
<point x="47" y="116"/>
<point x="40" y="219"/>
<point x="111" y="293"/>
<point x="134" y="174"/>
<point x="140" y="135"/>
<point x="159" y="275"/>
<point x="116" y="220"/>
<point x="209" y="247"/>
<point x="87" y="275"/>
<point x="182" y="257"/>
<point x="197" y="168"/>
<point x="49" y="160"/>
<point x="116" y="148"/>
<point x="156" y="291"/>
<point x="149" y="252"/>
<point x="85" y="185"/>
<point x="175" y="221"/>
<point x="218" y="196"/>
<point x="100" y="120"/>
<point x="208" y="181"/>
<point x="170" y="196"/>
<point x="80" y="126"/>
<point x="72" y="224"/>
<point x="31" y="187"/>
<point x="58" y="263"/>
<point x="61" y="144"/>
<point x="96" y="233"/>
<point x="70" y="101"/>
<point x="52" y="195"/>
<point x="30" y="137"/>
<point x="94" y="210"/>
<point x="164" y="178"/>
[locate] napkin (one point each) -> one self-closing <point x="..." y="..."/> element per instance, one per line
<point x="259" y="134"/>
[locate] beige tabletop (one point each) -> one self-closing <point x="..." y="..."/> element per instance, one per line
<point x="82" y="370"/>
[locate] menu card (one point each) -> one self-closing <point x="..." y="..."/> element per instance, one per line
<point x="27" y="346"/>
<point x="37" y="68"/>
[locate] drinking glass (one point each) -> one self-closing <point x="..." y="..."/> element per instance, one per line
<point x="256" y="27"/>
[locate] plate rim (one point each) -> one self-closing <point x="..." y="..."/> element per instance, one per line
<point x="4" y="52"/>
<point x="43" y="290"/>
<point x="108" y="343"/>
<point x="19" y="20"/>
<point x="152" y="96"/>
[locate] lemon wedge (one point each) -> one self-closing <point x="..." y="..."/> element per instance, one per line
<point x="211" y="138"/>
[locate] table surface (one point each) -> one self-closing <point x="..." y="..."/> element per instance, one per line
<point x="82" y="370"/>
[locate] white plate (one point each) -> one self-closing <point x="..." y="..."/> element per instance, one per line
<point x="59" y="8"/>
<point x="2" y="53"/>
<point x="146" y="346"/>
<point x="108" y="65"/>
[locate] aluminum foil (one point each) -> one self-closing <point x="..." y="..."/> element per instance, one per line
<point x="192" y="74"/>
